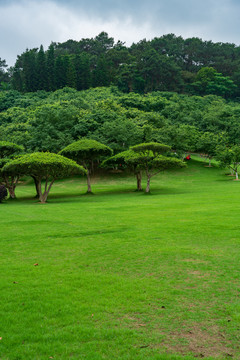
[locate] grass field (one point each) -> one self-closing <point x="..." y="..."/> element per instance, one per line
<point x="121" y="274"/>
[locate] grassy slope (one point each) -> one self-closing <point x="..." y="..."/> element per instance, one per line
<point x="123" y="275"/>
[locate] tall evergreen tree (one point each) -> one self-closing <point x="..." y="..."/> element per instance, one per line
<point x="17" y="79"/>
<point x="101" y="73"/>
<point x="59" y="73"/>
<point x="41" y="70"/>
<point x="30" y="71"/>
<point x="83" y="74"/>
<point x="50" y="67"/>
<point x="70" y="71"/>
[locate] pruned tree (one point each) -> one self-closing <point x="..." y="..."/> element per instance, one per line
<point x="85" y="152"/>
<point x="150" y="159"/>
<point x="7" y="151"/>
<point x="45" y="168"/>
<point x="119" y="161"/>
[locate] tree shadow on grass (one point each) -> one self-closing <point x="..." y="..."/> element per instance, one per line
<point x="98" y="195"/>
<point x="101" y="195"/>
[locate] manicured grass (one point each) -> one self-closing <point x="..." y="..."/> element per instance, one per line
<point x="120" y="274"/>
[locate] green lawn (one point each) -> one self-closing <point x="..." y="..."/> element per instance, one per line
<point x="121" y="274"/>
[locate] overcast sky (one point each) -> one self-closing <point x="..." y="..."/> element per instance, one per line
<point x="30" y="23"/>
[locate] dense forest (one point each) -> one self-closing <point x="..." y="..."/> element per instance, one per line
<point x="49" y="121"/>
<point x="168" y="63"/>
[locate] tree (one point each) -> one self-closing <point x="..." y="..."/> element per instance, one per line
<point x="41" y="67"/>
<point x="60" y="72"/>
<point x="43" y="167"/>
<point x="229" y="157"/>
<point x="7" y="152"/>
<point x="119" y="133"/>
<point x="51" y="127"/>
<point x="208" y="143"/>
<point x="182" y="138"/>
<point x="209" y="81"/>
<point x="101" y="73"/>
<point x="50" y="67"/>
<point x="82" y="68"/>
<point x="85" y="152"/>
<point x="7" y="149"/>
<point x="30" y="71"/>
<point x="119" y="161"/>
<point x="149" y="157"/>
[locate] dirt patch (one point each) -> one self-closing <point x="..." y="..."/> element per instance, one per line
<point x="196" y="261"/>
<point x="199" y="342"/>
<point x="198" y="274"/>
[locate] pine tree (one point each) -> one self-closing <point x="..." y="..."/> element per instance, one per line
<point x="70" y="72"/>
<point x="29" y="71"/>
<point x="50" y="67"/>
<point x="83" y="74"/>
<point x="59" y="73"/>
<point x="41" y="67"/>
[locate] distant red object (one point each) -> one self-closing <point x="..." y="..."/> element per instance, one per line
<point x="188" y="157"/>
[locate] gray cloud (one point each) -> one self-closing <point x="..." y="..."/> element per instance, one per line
<point x="29" y="23"/>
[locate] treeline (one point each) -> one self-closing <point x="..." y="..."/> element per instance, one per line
<point x="167" y="63"/>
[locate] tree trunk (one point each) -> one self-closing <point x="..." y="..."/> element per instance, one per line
<point x="11" y="185"/>
<point x="236" y="175"/>
<point x="39" y="189"/>
<point x="139" y="181"/>
<point x="11" y="190"/>
<point x="209" y="164"/>
<point x="44" y="195"/>
<point x="36" y="186"/>
<point x="148" y="184"/>
<point x="89" y="189"/>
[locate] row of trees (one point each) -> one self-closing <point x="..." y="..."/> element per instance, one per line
<point x="79" y="157"/>
<point x="167" y="63"/>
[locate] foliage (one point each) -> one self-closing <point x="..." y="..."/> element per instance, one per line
<point x="46" y="166"/>
<point x="208" y="143"/>
<point x="85" y="152"/>
<point x="209" y="81"/>
<point x="120" y="161"/>
<point x="151" y="149"/>
<point x="44" y="121"/>
<point x="148" y="157"/>
<point x="7" y="149"/>
<point x="229" y="157"/>
<point x="182" y="138"/>
<point x="167" y="63"/>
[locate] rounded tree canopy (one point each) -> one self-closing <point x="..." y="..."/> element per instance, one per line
<point x="116" y="159"/>
<point x="163" y="163"/>
<point x="86" y="150"/>
<point x="152" y="147"/>
<point x="42" y="165"/>
<point x="7" y="149"/>
<point x="158" y="162"/>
